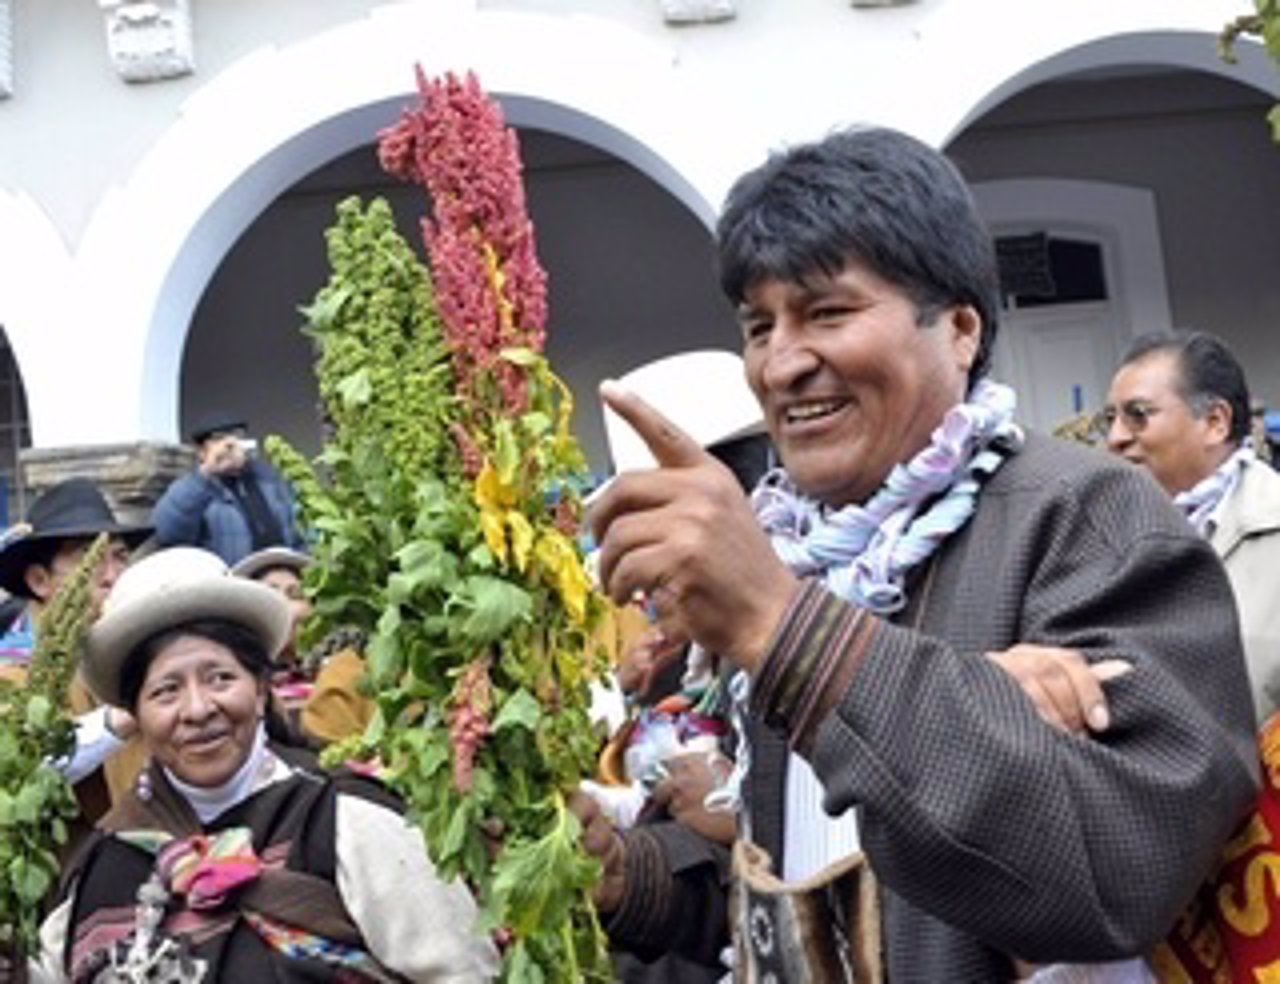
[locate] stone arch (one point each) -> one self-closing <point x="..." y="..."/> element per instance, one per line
<point x="1122" y="218"/>
<point x="1187" y="49"/>
<point x="215" y="169"/>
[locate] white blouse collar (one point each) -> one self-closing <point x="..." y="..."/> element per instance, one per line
<point x="261" y="768"/>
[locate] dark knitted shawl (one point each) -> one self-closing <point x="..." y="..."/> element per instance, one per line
<point x="293" y="824"/>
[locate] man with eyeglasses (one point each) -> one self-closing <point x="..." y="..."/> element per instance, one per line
<point x="1179" y="407"/>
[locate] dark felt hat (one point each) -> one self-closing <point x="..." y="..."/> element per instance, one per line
<point x="215" y="421"/>
<point x="69" y="510"/>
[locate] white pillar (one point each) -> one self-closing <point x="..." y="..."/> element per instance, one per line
<point x="6" y="48"/>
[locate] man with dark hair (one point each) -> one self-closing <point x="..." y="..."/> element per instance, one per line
<point x="1179" y="407"/>
<point x="877" y="594"/>
<point x="232" y="503"/>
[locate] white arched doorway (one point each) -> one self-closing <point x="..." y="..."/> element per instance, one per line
<point x="1194" y="50"/>
<point x="628" y="266"/>
<point x="216" y="170"/>
<point x="1061" y="356"/>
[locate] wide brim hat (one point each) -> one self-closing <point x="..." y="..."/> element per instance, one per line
<point x="169" y="589"/>
<point x="70" y="510"/>
<point x="704" y="393"/>
<point x="215" y="420"/>
<point x="261" y="561"/>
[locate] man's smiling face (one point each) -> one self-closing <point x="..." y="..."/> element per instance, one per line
<point x="850" y="380"/>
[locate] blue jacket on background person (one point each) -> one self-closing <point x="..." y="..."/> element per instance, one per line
<point x="230" y="503"/>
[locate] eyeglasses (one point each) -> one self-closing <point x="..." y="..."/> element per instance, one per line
<point x="1135" y="413"/>
<point x="1138" y="413"/>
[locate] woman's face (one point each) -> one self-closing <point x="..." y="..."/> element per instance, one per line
<point x="198" y="710"/>
<point x="286" y="581"/>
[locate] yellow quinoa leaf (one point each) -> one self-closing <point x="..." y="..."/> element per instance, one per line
<point x="521" y="539"/>
<point x="496" y="499"/>
<point x="557" y="557"/>
<point x="491" y="492"/>
<point x="498" y="284"/>
<point x="494" y="533"/>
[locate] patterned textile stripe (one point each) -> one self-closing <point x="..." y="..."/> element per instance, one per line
<point x="300" y="945"/>
<point x="820" y="637"/>
<point x="848" y="632"/>
<point x="198" y="924"/>
<point x="99" y="931"/>
<point x="795" y="627"/>
<point x="200" y="927"/>
<point x="150" y="841"/>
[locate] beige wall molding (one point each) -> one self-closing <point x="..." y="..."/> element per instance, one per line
<point x="149" y="40"/>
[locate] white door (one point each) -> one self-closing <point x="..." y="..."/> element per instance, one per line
<point x="1059" y="359"/>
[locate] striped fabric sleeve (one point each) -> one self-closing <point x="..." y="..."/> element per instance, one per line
<point x="645" y="908"/>
<point x="811" y="662"/>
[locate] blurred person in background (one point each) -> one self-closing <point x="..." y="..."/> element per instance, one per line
<point x="35" y="559"/>
<point x="232" y="502"/>
<point x="319" y="689"/>
<point x="1179" y="407"/>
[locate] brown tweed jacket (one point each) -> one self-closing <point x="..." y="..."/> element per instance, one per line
<point x="993" y="834"/>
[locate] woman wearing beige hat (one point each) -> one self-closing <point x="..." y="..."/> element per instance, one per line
<point x="280" y="569"/>
<point x="328" y="707"/>
<point x="235" y="859"/>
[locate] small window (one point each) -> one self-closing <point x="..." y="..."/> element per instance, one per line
<point x="1038" y="270"/>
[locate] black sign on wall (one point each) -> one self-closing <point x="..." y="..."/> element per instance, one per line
<point x="1025" y="270"/>
<point x="1038" y="269"/>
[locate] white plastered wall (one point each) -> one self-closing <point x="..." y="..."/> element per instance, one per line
<point x="691" y="109"/>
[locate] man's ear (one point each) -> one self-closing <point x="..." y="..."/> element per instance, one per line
<point x="39" y="581"/>
<point x="966" y="327"/>
<point x="1218" y="421"/>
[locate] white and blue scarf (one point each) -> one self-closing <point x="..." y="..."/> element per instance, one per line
<point x="863" y="553"/>
<point x="1200" y="503"/>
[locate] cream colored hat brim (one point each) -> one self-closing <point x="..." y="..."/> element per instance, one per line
<point x="270" y="559"/>
<point x="704" y="393"/>
<point x="114" y="637"/>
